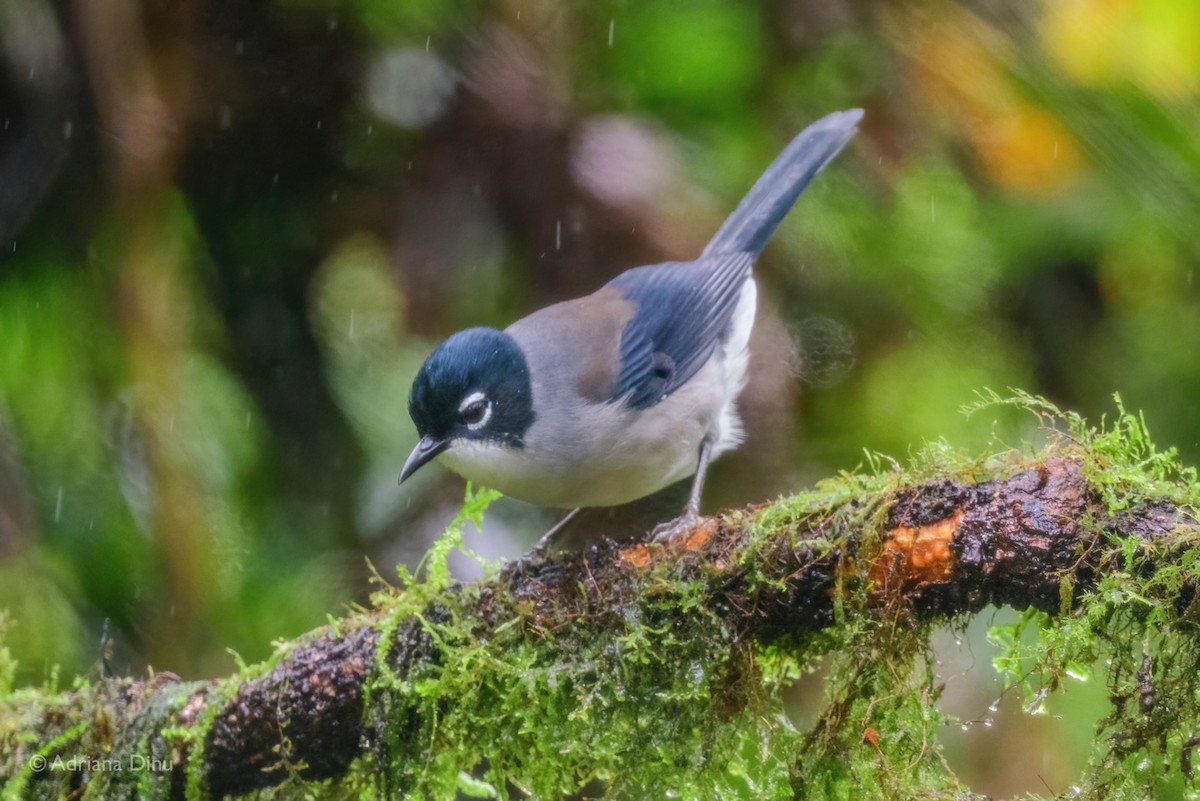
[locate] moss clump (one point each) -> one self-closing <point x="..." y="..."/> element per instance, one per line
<point x="1137" y="626"/>
<point x="559" y="700"/>
<point x="656" y="696"/>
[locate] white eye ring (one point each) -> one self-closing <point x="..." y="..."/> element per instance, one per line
<point x="473" y="398"/>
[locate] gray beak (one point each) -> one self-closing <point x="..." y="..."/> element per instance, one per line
<point x="425" y="451"/>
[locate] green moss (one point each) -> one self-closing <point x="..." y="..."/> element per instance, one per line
<point x="1136" y="627"/>
<point x="653" y="692"/>
<point x="656" y="696"/>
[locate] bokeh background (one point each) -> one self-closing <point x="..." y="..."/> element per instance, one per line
<point x="230" y="232"/>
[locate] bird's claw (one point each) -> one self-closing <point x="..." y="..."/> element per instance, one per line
<point x="672" y="531"/>
<point x="524" y="564"/>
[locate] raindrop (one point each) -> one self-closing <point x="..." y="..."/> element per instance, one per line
<point x="995" y="707"/>
<point x="351" y="332"/>
<point x="171" y="425"/>
<point x="224" y="117"/>
<point x="1035" y="707"/>
<point x="932" y="210"/>
<point x="247" y="424"/>
<point x="427" y="40"/>
<point x="333" y="197"/>
<point x="58" y="504"/>
<point x="611" y="24"/>
<point x="67" y="128"/>
<point x="240" y="47"/>
<point x="987" y="722"/>
<point x="558" y="235"/>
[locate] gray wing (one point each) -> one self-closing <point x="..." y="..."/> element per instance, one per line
<point x="682" y="311"/>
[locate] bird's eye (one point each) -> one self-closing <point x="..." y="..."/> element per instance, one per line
<point x="475" y="410"/>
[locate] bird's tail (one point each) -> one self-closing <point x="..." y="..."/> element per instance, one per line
<point x="772" y="196"/>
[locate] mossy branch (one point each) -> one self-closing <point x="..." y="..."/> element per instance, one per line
<point x="776" y="574"/>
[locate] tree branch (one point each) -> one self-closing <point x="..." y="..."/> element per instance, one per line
<point x="943" y="548"/>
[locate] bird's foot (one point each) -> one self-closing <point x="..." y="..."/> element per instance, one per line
<point x="539" y="552"/>
<point x="527" y="563"/>
<point x="677" y="531"/>
<point x="541" y="549"/>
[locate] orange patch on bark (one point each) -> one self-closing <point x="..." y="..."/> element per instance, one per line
<point x="916" y="555"/>
<point x="637" y="555"/>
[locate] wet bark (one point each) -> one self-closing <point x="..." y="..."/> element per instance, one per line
<point x="947" y="547"/>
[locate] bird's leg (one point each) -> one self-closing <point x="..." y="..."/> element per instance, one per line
<point x="692" y="509"/>
<point x="542" y="547"/>
<point x="668" y="531"/>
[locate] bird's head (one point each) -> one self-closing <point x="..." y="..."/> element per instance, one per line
<point x="473" y="388"/>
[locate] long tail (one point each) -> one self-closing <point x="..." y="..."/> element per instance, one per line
<point x="773" y="195"/>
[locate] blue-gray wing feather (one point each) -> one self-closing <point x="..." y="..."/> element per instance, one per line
<point x="751" y="224"/>
<point x="683" y="310"/>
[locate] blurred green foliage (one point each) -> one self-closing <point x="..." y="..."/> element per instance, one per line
<point x="222" y="260"/>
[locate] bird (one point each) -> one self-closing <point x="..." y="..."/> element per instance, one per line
<point x="607" y="398"/>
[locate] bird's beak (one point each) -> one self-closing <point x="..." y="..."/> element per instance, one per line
<point x="425" y="451"/>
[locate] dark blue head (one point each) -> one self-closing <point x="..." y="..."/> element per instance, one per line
<point x="475" y="386"/>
